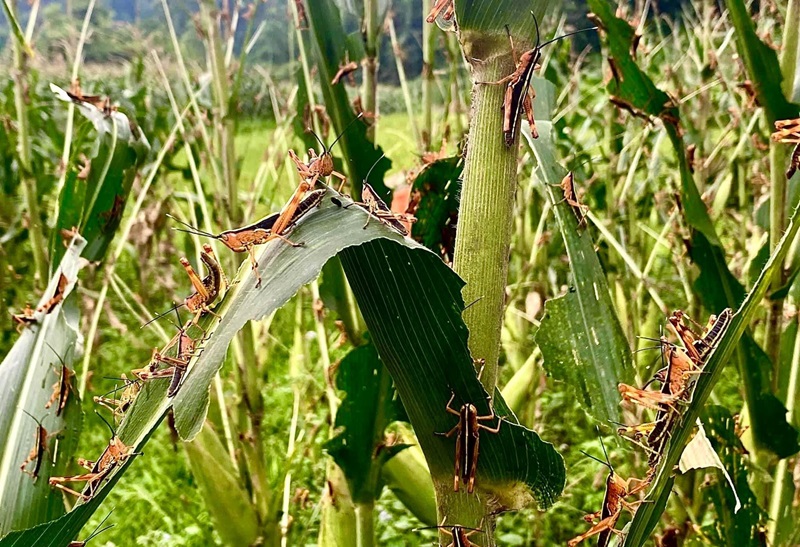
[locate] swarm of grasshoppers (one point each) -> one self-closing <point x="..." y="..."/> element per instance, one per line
<point x="678" y="377"/>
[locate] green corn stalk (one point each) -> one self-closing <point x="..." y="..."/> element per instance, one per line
<point x="429" y="33"/>
<point x="22" y="54"/>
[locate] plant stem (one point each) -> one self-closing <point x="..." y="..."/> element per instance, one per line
<point x="226" y="126"/>
<point x="76" y="65"/>
<point x="780" y="502"/>
<point x="428" y="57"/>
<point x="791" y="43"/>
<point x="455" y="88"/>
<point x="365" y="529"/>
<point x="783" y="489"/>
<point x="486" y="215"/>
<point x="30" y="193"/>
<point x="401" y="73"/>
<point x="370" y="62"/>
<point x="295" y="371"/>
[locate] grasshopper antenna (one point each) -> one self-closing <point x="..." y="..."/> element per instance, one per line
<point x="191" y="229"/>
<point x="603" y="446"/>
<point x="110" y="427"/>
<point x="468" y="306"/>
<point x="538" y="36"/>
<point x="656" y="340"/>
<point x="95" y="533"/>
<point x="325" y="149"/>
<point x="159" y="316"/>
<point x="567" y="35"/>
<point x="598" y="460"/>
<point x="56" y="353"/>
<point x="366" y="179"/>
<point x="178" y="314"/>
<point x="35" y="419"/>
<point x="344" y="130"/>
<point x="116" y="389"/>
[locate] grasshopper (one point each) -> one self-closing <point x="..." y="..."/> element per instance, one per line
<point x="376" y="207"/>
<point x="36" y="455"/>
<point x="699" y="347"/>
<point x="467" y="441"/>
<point x="206" y="289"/>
<point x="460" y="534"/>
<point x="788" y="131"/>
<point x="519" y="93"/>
<point x="119" y="406"/>
<point x="675" y="383"/>
<point x="62" y="387"/>
<point x="571" y="197"/>
<point x="176" y="365"/>
<point x="346" y="69"/>
<point x="246" y="238"/>
<point x="320" y="166"/>
<point x="115" y="455"/>
<point x="617" y="489"/>
<point x="444" y="8"/>
<point x="27" y="316"/>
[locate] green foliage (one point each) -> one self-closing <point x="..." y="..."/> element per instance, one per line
<point x="645" y="519"/>
<point x="580" y="337"/>
<point x="234" y="517"/>
<point x="424" y="347"/>
<point x="259" y="451"/>
<point x="94" y="195"/>
<point x="28" y="373"/>
<point x="368" y="407"/>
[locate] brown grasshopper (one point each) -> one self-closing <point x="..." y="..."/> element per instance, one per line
<point x="62" y="387"/>
<point x="176" y="365"/>
<point x="115" y="455"/>
<point x="467" y="441"/>
<point x="119" y="406"/>
<point x="376" y="207"/>
<point x="675" y="383"/>
<point x="700" y="346"/>
<point x="320" y="166"/>
<point x="788" y="131"/>
<point x="27" y="317"/>
<point x="617" y="489"/>
<point x="346" y="69"/>
<point x="571" y="197"/>
<point x="460" y="534"/>
<point x="206" y="289"/>
<point x="519" y="94"/>
<point x="246" y="238"/>
<point x="444" y="8"/>
<point x="36" y="455"/>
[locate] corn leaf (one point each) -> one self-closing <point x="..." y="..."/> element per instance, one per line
<point x="94" y="195"/>
<point x="284" y="269"/>
<point x="368" y="407"/>
<point x="730" y="528"/>
<point x="414" y="318"/>
<point x="580" y="336"/>
<point x="761" y="62"/>
<point x="436" y="208"/>
<point x="28" y="374"/>
<point x="330" y="44"/>
<point x="492" y="16"/>
<point x="648" y="513"/>
<point x="229" y="505"/>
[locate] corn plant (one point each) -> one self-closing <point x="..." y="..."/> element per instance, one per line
<point x="361" y="381"/>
